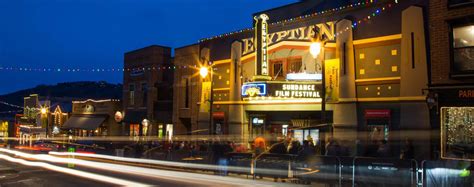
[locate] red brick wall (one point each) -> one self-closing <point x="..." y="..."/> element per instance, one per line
<point x="439" y="39"/>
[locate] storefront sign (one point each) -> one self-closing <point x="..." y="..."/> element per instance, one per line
<point x="465" y="94"/>
<point x="332" y="79"/>
<point x="261" y="43"/>
<point x="118" y="116"/>
<point x="301" y="33"/>
<point x="252" y="90"/>
<point x="282" y="89"/>
<point x="377" y="113"/>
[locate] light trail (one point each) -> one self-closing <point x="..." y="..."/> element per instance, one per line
<point x="194" y="178"/>
<point x="92" y="176"/>
<point x="394" y="135"/>
<point x="149" y="161"/>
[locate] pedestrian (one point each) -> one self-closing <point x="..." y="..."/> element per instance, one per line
<point x="408" y="151"/>
<point x="332" y="148"/>
<point x="384" y="149"/>
<point x="295" y="148"/>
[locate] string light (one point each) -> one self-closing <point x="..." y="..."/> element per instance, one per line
<point x="341" y="8"/>
<point x="11" y="111"/>
<point x="354" y="25"/>
<point x="95" y="70"/>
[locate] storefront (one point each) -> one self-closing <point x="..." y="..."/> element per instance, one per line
<point x="94" y="118"/>
<point x="455" y="111"/>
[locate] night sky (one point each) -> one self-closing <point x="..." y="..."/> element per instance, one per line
<point x="96" y="33"/>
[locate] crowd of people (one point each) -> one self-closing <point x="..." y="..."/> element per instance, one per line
<point x="217" y="150"/>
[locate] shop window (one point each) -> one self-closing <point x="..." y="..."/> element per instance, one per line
<point x="294" y="65"/>
<point x="134" y="129"/>
<point x="457" y="132"/>
<point x="131" y="94"/>
<point x="463" y="49"/>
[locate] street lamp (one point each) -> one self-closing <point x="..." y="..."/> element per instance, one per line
<point x="204" y="71"/>
<point x="44" y="119"/>
<point x="315" y="49"/>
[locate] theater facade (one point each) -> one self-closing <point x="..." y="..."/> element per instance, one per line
<point x="310" y="69"/>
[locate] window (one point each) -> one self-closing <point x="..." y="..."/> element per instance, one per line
<point x="131" y="95"/>
<point x="457" y="3"/>
<point x="463" y="49"/>
<point x="294" y="65"/>
<point x="277" y="70"/>
<point x="145" y="94"/>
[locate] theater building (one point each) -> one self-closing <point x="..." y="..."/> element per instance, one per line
<point x="451" y="80"/>
<point x="267" y="80"/>
<point x="147" y="91"/>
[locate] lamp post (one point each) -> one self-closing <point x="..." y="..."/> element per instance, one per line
<point x="204" y="71"/>
<point x="315" y="49"/>
<point x="44" y="118"/>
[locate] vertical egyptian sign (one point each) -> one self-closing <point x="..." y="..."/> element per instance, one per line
<point x="205" y="97"/>
<point x="332" y="79"/>
<point x="261" y="44"/>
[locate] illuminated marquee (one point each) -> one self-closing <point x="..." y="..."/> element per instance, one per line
<point x="297" y="91"/>
<point x="286" y="90"/>
<point x="301" y="34"/>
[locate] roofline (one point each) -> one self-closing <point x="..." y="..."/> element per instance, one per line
<point x="283" y="6"/>
<point x="150" y="46"/>
<point x="189" y="45"/>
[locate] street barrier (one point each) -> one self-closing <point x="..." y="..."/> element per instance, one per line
<point x="241" y="161"/>
<point x="273" y="165"/>
<point x="447" y="173"/>
<point x="383" y="172"/>
<point x="318" y="169"/>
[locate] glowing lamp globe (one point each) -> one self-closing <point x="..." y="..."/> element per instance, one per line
<point x="43" y="110"/>
<point x="203" y="72"/>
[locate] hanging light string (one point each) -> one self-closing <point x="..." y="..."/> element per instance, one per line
<point x="323" y="12"/>
<point x="355" y="25"/>
<point x="21" y="107"/>
<point x="75" y="70"/>
<point x="11" y="111"/>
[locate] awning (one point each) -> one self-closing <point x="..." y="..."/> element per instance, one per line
<point x="85" y="122"/>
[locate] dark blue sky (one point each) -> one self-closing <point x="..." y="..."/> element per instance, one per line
<point x="96" y="33"/>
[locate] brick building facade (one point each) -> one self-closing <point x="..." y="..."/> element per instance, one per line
<point x="451" y="80"/>
<point x="147" y="90"/>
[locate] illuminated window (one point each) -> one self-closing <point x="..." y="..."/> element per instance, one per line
<point x="362" y="71"/>
<point x="394" y="68"/>
<point x="277" y="70"/>
<point x="394" y="52"/>
<point x="457" y="132"/>
<point x="362" y="56"/>
<point x="463" y="49"/>
<point x="377" y="62"/>
<point x="294" y="65"/>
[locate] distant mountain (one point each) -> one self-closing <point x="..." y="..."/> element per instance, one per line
<point x="64" y="93"/>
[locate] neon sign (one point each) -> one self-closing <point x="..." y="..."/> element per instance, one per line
<point x="254" y="89"/>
